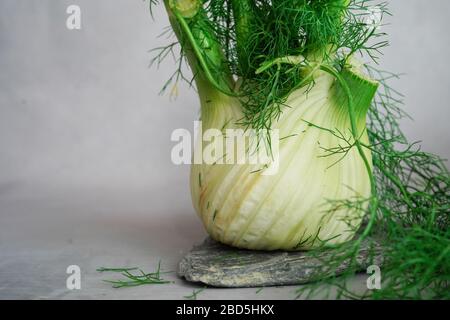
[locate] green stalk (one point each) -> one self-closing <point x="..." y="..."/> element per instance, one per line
<point x="243" y="12"/>
<point x="396" y="182"/>
<point x="356" y="136"/>
<point x="363" y="90"/>
<point x="202" y="48"/>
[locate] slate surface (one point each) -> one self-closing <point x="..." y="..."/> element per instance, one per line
<point x="215" y="264"/>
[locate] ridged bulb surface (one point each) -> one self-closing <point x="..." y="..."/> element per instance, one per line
<point x="294" y="208"/>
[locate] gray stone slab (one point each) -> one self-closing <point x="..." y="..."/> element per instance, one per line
<point x="214" y="264"/>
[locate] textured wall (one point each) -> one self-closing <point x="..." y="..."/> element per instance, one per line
<point x="81" y="107"/>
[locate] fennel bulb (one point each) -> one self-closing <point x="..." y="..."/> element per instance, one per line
<point x="319" y="112"/>
<point x="295" y="208"/>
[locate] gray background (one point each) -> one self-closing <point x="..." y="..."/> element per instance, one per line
<point x="85" y="170"/>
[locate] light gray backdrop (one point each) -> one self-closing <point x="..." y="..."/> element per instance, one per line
<point x="85" y="170"/>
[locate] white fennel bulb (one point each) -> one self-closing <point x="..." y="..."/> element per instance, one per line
<point x="296" y="208"/>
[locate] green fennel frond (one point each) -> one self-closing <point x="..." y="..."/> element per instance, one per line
<point x="194" y="294"/>
<point x="135" y="277"/>
<point x="412" y="222"/>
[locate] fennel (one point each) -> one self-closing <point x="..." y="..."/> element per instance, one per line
<point x="194" y="294"/>
<point x="135" y="277"/>
<point x="290" y="65"/>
